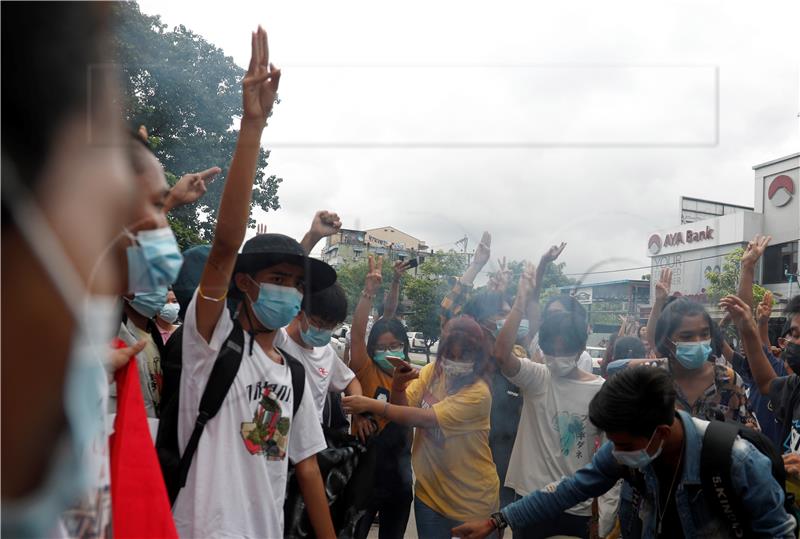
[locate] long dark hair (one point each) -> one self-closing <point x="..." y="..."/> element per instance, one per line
<point x="387" y="325"/>
<point x="671" y="318"/>
<point x="464" y="334"/>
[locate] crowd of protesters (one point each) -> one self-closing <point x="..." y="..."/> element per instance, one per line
<point x="197" y="394"/>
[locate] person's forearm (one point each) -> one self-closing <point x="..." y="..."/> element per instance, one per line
<point x="727" y="351"/>
<point x="746" y="277"/>
<point x="404" y="415"/>
<point x="763" y="330"/>
<point x="358" y="333"/>
<point x="655" y="312"/>
<point x="532" y="312"/>
<point x="353" y="388"/>
<point x="309" y="241"/>
<point x="392" y="300"/>
<point x="760" y="368"/>
<point x="509" y="363"/>
<point x="471" y="274"/>
<point x="309" y="480"/>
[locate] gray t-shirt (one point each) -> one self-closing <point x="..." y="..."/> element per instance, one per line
<point x="784" y="394"/>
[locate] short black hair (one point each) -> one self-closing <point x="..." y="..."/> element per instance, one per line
<point x="570" y="304"/>
<point x="484" y="305"/>
<point x="387" y="325"/>
<point x="571" y="327"/>
<point x="671" y="318"/>
<point x="329" y="304"/>
<point x="629" y="348"/>
<point x="635" y="401"/>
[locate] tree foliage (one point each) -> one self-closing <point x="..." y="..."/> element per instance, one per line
<point x="187" y="93"/>
<point x="727" y="280"/>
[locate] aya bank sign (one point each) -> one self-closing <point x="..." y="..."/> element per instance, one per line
<point x="674" y="239"/>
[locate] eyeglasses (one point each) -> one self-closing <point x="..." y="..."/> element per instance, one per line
<point x="396" y="348"/>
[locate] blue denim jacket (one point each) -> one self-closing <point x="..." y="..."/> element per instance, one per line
<point x="751" y="474"/>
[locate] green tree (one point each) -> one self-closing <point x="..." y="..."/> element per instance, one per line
<point x="426" y="292"/>
<point x="187" y="93"/>
<point x="727" y="280"/>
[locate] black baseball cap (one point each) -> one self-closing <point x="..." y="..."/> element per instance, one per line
<point x="266" y="250"/>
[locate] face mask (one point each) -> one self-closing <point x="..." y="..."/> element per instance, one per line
<point x="85" y="383"/>
<point x="154" y="261"/>
<point x="639" y="458"/>
<point x="454" y="369"/>
<point x="276" y="305"/>
<point x="561" y="365"/>
<point x="692" y="355"/>
<point x="791" y="355"/>
<point x="315" y="336"/>
<point x="380" y="359"/>
<point x="169" y="312"/>
<point x="522" y="330"/>
<point x="149" y="304"/>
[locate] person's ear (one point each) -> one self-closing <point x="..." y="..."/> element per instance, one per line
<point x="664" y="432"/>
<point x="243" y="283"/>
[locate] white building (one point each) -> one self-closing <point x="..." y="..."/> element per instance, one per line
<point x="700" y="243"/>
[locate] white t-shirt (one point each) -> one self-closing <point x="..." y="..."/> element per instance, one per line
<point x="324" y="370"/>
<point x="237" y="482"/>
<point x="555" y="437"/>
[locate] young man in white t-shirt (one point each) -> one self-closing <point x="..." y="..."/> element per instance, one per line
<point x="308" y="338"/>
<point x="555" y="437"/>
<point x="237" y="481"/>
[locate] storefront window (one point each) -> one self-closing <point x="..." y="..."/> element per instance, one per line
<point x="779" y="259"/>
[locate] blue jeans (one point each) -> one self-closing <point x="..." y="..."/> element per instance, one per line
<point x="432" y="525"/>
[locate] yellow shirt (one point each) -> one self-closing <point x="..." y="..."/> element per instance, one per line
<point x="456" y="476"/>
<point x="375" y="383"/>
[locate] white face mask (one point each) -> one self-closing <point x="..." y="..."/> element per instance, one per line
<point x="561" y="365"/>
<point x="454" y="369"/>
<point x="85" y="383"/>
<point x="169" y="312"/>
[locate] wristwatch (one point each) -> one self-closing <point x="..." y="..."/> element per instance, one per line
<point x="499" y="521"/>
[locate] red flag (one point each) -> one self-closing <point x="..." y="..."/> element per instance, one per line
<point x="140" y="507"/>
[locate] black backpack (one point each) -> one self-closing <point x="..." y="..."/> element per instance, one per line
<point x="715" y="473"/>
<point x="174" y="466"/>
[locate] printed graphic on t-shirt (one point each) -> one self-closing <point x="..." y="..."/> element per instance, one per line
<point x="323" y="372"/>
<point x="91" y="518"/>
<point x="268" y="433"/>
<point x="792" y="443"/>
<point x="570" y="428"/>
<point x="435" y="433"/>
<point x="155" y="378"/>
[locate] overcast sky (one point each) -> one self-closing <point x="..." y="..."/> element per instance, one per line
<point x="582" y="122"/>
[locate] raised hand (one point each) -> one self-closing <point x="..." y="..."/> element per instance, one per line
<point x="400" y="267"/>
<point x="260" y="83"/>
<point x="192" y="186"/>
<point x="484" y="250"/>
<point x="740" y="312"/>
<point x="527" y="281"/>
<point x="764" y="309"/>
<point x="374" y="276"/>
<point x="325" y="224"/>
<point x="664" y="284"/>
<point x="552" y="254"/>
<point x="755" y="249"/>
<point x="261" y="228"/>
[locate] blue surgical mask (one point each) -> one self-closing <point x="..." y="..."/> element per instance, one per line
<point x="149" y="304"/>
<point x="154" y="261"/>
<point x="315" y="336"/>
<point x="276" y="305"/>
<point x="169" y="312"/>
<point x="66" y="476"/>
<point x="692" y="355"/>
<point x="640" y="458"/>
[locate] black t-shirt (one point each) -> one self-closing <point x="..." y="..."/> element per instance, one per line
<point x="784" y="394"/>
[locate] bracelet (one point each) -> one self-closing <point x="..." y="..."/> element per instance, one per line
<point x="499" y="521"/>
<point x="209" y="298"/>
<point x="365" y="294"/>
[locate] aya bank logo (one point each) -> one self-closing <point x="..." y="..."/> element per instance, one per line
<point x="654" y="244"/>
<point x="781" y="190"/>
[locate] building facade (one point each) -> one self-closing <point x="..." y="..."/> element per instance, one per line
<point x="354" y="245"/>
<point x="699" y="245"/>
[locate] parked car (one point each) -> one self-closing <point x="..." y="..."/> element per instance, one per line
<point x="416" y="341"/>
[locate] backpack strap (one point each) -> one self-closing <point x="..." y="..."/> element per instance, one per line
<point x="715" y="474"/>
<point x="219" y="382"/>
<point x="298" y="380"/>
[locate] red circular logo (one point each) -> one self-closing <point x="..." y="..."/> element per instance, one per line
<point x="654" y="244"/>
<point x="781" y="190"/>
